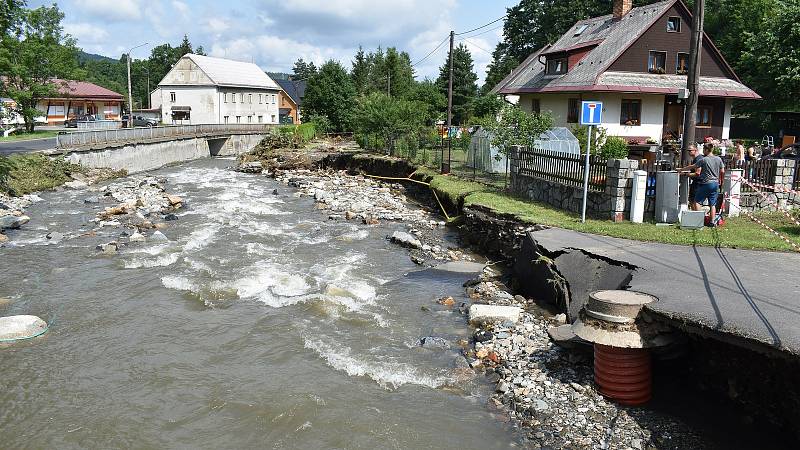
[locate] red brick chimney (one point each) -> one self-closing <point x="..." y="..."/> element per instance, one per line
<point x="622" y="8"/>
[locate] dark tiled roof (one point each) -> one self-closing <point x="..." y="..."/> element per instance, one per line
<point x="612" y="38"/>
<point x="294" y="89"/>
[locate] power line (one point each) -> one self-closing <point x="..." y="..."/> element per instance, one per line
<point x="482" y="26"/>
<point x="476" y="45"/>
<point x="487" y="31"/>
<point x="431" y="52"/>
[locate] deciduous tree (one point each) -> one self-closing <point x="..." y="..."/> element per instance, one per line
<point x="331" y="93"/>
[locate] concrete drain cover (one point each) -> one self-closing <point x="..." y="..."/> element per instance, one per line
<point x="617" y="306"/>
<point x="14" y="328"/>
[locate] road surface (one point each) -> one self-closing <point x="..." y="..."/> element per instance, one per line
<point x="7" y="148"/>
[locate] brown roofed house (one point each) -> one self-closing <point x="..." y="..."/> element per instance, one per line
<point x="635" y="61"/>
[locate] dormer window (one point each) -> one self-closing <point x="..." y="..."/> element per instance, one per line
<point x="657" y="62"/>
<point x="674" y="25"/>
<point x="556" y="66"/>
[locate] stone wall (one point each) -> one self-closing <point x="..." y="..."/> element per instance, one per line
<point x="783" y="178"/>
<point x="612" y="203"/>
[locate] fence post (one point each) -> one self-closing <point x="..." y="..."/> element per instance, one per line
<point x="783" y="180"/>
<point x="619" y="183"/>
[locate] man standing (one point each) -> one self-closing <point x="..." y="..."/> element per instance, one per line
<point x="692" y="175"/>
<point x="711" y="172"/>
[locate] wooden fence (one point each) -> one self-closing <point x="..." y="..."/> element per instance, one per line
<point x="561" y="167"/>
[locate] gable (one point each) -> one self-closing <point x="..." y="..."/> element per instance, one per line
<point x="185" y="73"/>
<point x="657" y="38"/>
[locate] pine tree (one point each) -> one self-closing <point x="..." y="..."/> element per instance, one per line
<point x="465" y="86"/>
<point x="304" y="70"/>
<point x="184" y="48"/>
<point x="360" y="71"/>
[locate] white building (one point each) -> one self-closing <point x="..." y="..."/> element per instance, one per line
<point x="200" y="89"/>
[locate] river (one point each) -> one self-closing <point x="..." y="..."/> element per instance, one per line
<point x="258" y="324"/>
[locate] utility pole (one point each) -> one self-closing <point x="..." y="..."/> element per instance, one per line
<point x="130" y="92"/>
<point x="693" y="81"/>
<point x="446" y="168"/>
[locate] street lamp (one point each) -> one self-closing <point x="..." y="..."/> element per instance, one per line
<point x="130" y="94"/>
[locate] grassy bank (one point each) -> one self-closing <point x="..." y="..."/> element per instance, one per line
<point x="24" y="136"/>
<point x="739" y="232"/>
<point x="25" y="173"/>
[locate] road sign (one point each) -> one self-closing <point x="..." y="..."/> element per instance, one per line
<point x="591" y="113"/>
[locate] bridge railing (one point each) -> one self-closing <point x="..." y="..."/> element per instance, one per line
<point x="83" y="138"/>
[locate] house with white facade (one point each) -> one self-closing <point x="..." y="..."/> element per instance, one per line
<point x="201" y="89"/>
<point x="635" y="61"/>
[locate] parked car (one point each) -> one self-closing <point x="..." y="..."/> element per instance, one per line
<point x="139" y="121"/>
<point x="73" y="122"/>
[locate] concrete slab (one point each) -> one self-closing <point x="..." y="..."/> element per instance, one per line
<point x="492" y="313"/>
<point x="747" y="296"/>
<point x="461" y="267"/>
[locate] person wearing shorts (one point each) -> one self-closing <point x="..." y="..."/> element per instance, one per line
<point x="692" y="175"/>
<point x="711" y="171"/>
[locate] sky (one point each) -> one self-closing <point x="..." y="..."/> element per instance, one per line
<point x="274" y="34"/>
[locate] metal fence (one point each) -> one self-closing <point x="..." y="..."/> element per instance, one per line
<point x="83" y="138"/>
<point x="562" y="167"/>
<point x="760" y="171"/>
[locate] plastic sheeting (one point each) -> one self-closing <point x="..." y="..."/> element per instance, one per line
<point x="487" y="158"/>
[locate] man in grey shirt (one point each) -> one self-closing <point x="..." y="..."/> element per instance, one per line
<point x="711" y="172"/>
<point x="692" y="175"/>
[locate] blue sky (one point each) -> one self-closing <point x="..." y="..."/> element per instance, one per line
<point x="274" y="34"/>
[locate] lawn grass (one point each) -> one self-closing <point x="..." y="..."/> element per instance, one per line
<point x="25" y="173"/>
<point x="738" y="232"/>
<point x="24" y="136"/>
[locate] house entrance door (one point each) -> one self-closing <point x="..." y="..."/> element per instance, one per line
<point x="673" y="120"/>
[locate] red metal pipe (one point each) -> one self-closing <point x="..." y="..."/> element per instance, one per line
<point x="623" y="374"/>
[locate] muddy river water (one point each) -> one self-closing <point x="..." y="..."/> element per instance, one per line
<point x="258" y="324"/>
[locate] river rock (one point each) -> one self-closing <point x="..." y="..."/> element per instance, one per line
<point x="159" y="237"/>
<point x="13" y="222"/>
<point x="251" y="167"/>
<point x="405" y="239"/>
<point x="491" y="313"/>
<point x="171" y="216"/>
<point x="3" y="238"/>
<point x="108" y="249"/>
<point x="54" y="236"/>
<point x="91" y="200"/>
<point x="76" y="184"/>
<point x="174" y="199"/>
<point x="434" y="342"/>
<point x="21" y="327"/>
<point x="137" y="237"/>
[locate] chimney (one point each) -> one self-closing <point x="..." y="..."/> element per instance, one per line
<point x="622" y="8"/>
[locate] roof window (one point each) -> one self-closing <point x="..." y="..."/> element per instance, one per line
<point x="581" y="29"/>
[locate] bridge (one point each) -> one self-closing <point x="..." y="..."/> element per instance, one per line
<point x="140" y="149"/>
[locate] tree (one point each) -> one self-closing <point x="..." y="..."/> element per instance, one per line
<point x="399" y="73"/>
<point x="33" y="57"/>
<point x="331" y="93"/>
<point x="10" y="12"/>
<point x="464" y="83"/>
<point x="487" y="105"/>
<point x="303" y="70"/>
<point x="430" y="100"/>
<point x="516" y="127"/>
<point x="184" y="48"/>
<point x="389" y="117"/>
<point x="771" y="61"/>
<point x="360" y="71"/>
<point x="502" y="64"/>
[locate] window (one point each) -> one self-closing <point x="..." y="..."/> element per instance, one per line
<point x="224" y="97"/>
<point x="682" y="66"/>
<point x="581" y="29"/>
<point x="172" y="97"/>
<point x="631" y="113"/>
<point x="274" y="98"/>
<point x="250" y="98"/>
<point x="704" y="116"/>
<point x="260" y="98"/>
<point x="227" y="118"/>
<point x="260" y="119"/>
<point x="238" y="119"/>
<point x="657" y="62"/>
<point x="556" y="66"/>
<point x="573" y="110"/>
<point x="249" y="119"/>
<point x="674" y="25"/>
<point x="241" y="98"/>
<point x="273" y="118"/>
<point x="536" y="106"/>
<point x="193" y="76"/>
<point x="233" y="97"/>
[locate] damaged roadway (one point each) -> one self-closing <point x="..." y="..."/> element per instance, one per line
<point x="748" y="298"/>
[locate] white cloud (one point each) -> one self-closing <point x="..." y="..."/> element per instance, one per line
<point x="86" y="33"/>
<point x="276" y="53"/>
<point x="182" y="8"/>
<point x="116" y="10"/>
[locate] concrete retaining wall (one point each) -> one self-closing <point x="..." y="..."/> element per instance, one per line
<point x="148" y="156"/>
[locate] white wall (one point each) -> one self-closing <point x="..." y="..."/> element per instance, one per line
<point x="652" y="111"/>
<point x="726" y="121"/>
<point x="211" y="104"/>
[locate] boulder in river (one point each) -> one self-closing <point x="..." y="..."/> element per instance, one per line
<point x="405" y="239"/>
<point x="434" y="342"/>
<point x="492" y="313"/>
<point x="21" y="327"/>
<point x="13" y="222"/>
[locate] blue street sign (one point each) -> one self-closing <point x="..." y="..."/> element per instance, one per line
<point x="591" y="113"/>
